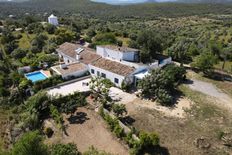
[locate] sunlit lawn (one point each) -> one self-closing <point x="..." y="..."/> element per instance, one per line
<point x="124" y="40"/>
<point x="25" y="41"/>
<point x="227" y="68"/>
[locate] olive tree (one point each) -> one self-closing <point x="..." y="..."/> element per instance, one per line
<point x="205" y="62"/>
<point x="119" y="109"/>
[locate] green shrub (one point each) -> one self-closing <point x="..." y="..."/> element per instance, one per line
<point x="113" y="124"/>
<point x="31" y="143"/>
<point x="101" y="112"/>
<point x="119" y="131"/>
<point x="125" y="87"/>
<point x="94" y="151"/>
<point x="56" y="115"/>
<point x="119" y="109"/>
<point x="52" y="81"/>
<point x="64" y="149"/>
<point x="148" y="139"/>
<point x="110" y="121"/>
<point x="163" y="97"/>
<point x="105" y="38"/>
<point x="107" y="83"/>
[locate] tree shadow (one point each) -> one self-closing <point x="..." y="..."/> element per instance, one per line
<point x="188" y="81"/>
<point x="219" y="76"/>
<point x="128" y="120"/>
<point x="156" y="150"/>
<point x="176" y="95"/>
<point x="78" y="118"/>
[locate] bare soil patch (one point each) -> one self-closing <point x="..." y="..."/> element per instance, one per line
<point x="178" y="110"/>
<point x="86" y="128"/>
<point x="198" y="133"/>
<point x="179" y="136"/>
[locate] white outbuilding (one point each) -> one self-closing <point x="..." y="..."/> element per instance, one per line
<point x="53" y="20"/>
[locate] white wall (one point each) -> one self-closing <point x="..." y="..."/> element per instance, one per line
<point x="116" y="55"/>
<point x="154" y="65"/>
<point x="129" y="56"/>
<point x="109" y="75"/>
<point x="104" y="52"/>
<point x="75" y="74"/>
<point x="53" y="21"/>
<point x="67" y="59"/>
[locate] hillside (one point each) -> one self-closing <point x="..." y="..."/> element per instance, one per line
<point x="105" y="11"/>
<point x="206" y="1"/>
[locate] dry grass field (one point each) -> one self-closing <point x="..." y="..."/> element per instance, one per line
<point x="204" y="122"/>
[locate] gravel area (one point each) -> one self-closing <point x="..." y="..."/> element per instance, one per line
<point x="211" y="90"/>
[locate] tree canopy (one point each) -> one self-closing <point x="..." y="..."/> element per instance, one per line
<point x="30" y="143"/>
<point x="160" y="82"/>
<point x="64" y="149"/>
<point x="205" y="62"/>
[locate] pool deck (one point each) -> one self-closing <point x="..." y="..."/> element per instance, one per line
<point x="47" y="73"/>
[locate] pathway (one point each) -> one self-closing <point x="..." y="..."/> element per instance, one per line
<point x="211" y="90"/>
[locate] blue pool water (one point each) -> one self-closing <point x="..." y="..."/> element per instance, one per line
<point x="36" y="76"/>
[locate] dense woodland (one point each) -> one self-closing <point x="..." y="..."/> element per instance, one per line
<point x="91" y="9"/>
<point x="199" y="35"/>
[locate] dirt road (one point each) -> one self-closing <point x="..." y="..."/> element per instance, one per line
<point x="211" y="90"/>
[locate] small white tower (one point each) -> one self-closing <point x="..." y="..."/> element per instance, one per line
<point x="78" y="52"/>
<point x="53" y="20"/>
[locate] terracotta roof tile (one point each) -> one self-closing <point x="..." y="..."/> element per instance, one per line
<point x="87" y="55"/>
<point x="113" y="66"/>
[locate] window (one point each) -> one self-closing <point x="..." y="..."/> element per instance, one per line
<point x="98" y="73"/>
<point x="103" y="75"/>
<point x="116" y="80"/>
<point x="92" y="71"/>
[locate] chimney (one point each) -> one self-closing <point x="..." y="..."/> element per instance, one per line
<point x="78" y="51"/>
<point x="63" y="65"/>
<point x="78" y="57"/>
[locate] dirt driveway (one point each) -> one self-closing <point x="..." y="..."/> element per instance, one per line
<point x="86" y="128"/>
<point x="211" y="90"/>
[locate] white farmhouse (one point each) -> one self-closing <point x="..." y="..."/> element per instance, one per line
<point x="53" y="20"/>
<point x="118" y="64"/>
<point x="118" y="53"/>
<point x="112" y="70"/>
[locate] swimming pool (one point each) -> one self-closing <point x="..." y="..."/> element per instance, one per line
<point x="36" y="76"/>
